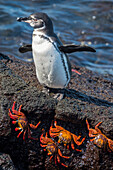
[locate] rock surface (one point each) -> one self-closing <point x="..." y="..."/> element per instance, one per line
<point x="88" y="96"/>
<point x="6" y="162"/>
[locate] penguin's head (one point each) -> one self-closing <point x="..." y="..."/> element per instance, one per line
<point x="39" y="21"/>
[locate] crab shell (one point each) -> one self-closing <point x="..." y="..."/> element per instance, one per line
<point x="101" y="141"/>
<point x="65" y="136"/>
<point x="52" y="149"/>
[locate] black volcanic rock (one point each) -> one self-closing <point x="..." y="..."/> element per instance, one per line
<point x="88" y="96"/>
<point x="6" y="162"/>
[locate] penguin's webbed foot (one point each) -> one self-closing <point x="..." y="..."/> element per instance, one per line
<point x="59" y="96"/>
<point x="59" y="93"/>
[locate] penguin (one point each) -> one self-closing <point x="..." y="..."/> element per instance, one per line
<point x="53" y="68"/>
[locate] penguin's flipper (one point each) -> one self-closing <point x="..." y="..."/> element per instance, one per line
<point x="25" y="48"/>
<point x="75" y="48"/>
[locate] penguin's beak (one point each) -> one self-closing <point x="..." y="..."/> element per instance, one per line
<point x="24" y="19"/>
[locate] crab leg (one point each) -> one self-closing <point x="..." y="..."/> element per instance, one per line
<point x="34" y="126"/>
<point x="91" y="135"/>
<point x="13" y="105"/>
<point x="53" y="135"/>
<point x="50" y="158"/>
<point x="43" y="145"/>
<point x="58" y="127"/>
<point x="59" y="152"/>
<point x="19" y="134"/>
<point x="80" y="143"/>
<point x="16" y="129"/>
<point x="78" y="150"/>
<point x="54" y="130"/>
<point x="87" y="124"/>
<point x="55" y="160"/>
<point x="75" y="138"/>
<point x="110" y="144"/>
<point x="67" y="146"/>
<point x="58" y="158"/>
<point x="17" y="112"/>
<point x="42" y="139"/>
<point x="20" y="108"/>
<point x="97" y="129"/>
<point x="92" y="139"/>
<point x="24" y="135"/>
<point x="72" y="145"/>
<point x="92" y="132"/>
<point x="20" y="113"/>
<point x="12" y="116"/>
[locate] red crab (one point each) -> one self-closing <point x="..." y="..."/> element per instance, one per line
<point x="99" y="138"/>
<point x="52" y="149"/>
<point x="22" y="121"/>
<point x="65" y="136"/>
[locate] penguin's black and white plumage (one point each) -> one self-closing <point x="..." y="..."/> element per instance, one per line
<point x="53" y="68"/>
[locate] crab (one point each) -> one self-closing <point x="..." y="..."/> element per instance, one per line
<point x="99" y="138"/>
<point x="52" y="148"/>
<point x="22" y="121"/>
<point x="65" y="136"/>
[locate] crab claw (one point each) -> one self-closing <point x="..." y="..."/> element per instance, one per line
<point x="14" y="122"/>
<point x="34" y="126"/>
<point x="17" y="128"/>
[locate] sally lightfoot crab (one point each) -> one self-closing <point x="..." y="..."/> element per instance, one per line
<point x="22" y="121"/>
<point x="52" y="149"/>
<point x="65" y="136"/>
<point x="99" y="138"/>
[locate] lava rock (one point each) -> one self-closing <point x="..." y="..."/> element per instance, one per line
<point x="6" y="162"/>
<point x="88" y="96"/>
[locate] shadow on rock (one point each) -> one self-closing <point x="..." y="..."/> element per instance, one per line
<point x="71" y="93"/>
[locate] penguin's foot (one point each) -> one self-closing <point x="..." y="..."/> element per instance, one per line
<point x="59" y="93"/>
<point x="59" y="96"/>
<point x="46" y="90"/>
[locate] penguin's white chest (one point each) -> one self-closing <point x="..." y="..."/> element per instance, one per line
<point x="52" y="69"/>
